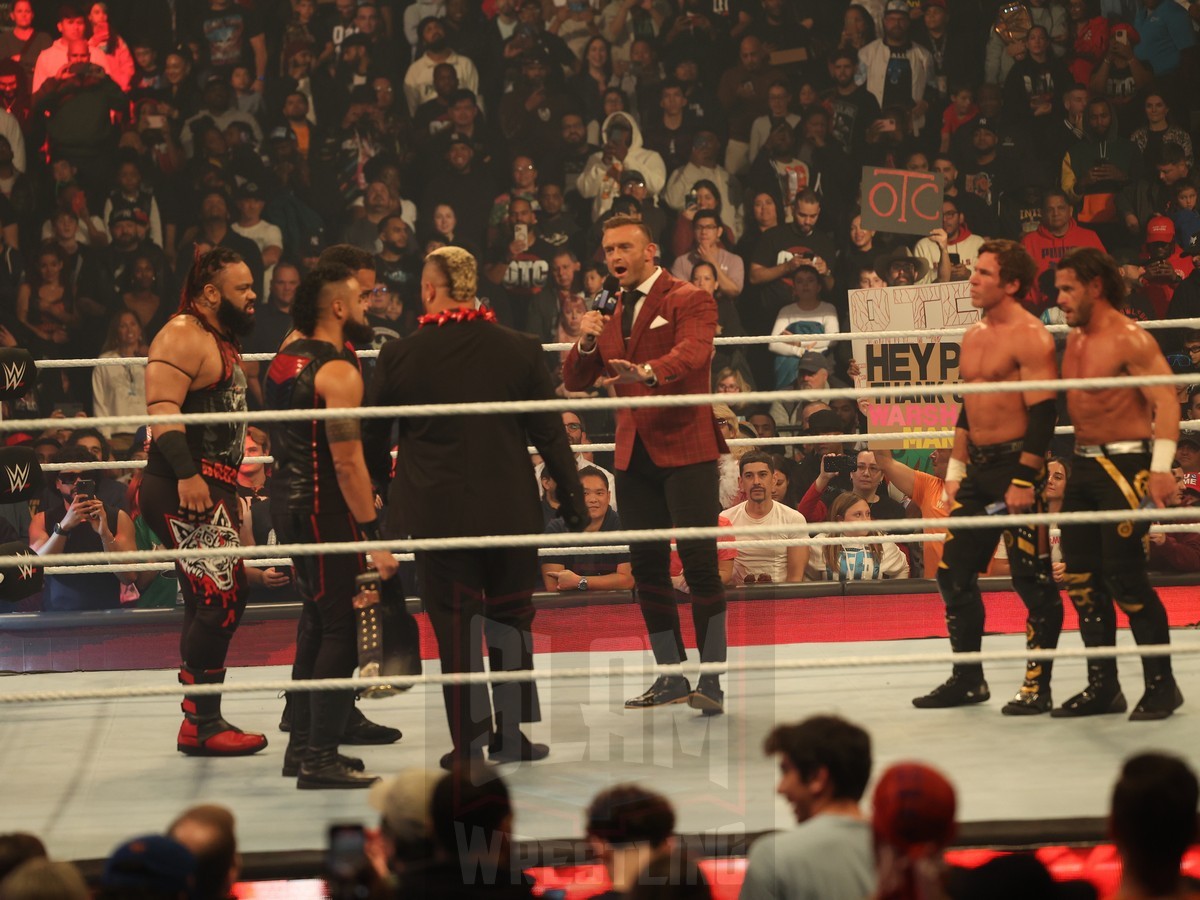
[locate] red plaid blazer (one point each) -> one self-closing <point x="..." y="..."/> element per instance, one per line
<point x="674" y="334"/>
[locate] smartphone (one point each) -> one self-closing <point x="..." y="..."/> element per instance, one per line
<point x="70" y="410"/>
<point x="838" y="465"/>
<point x="521" y="233"/>
<point x="1121" y="36"/>
<point x="691" y="199"/>
<point x="994" y="509"/>
<point x="955" y="259"/>
<point x="86" y="488"/>
<point x="157" y="122"/>
<point x="345" y="859"/>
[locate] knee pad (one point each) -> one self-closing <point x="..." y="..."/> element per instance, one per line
<point x="1037" y="593"/>
<point x="1132" y="591"/>
<point x="958" y="589"/>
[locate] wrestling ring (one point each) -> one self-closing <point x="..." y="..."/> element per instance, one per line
<point x="90" y="708"/>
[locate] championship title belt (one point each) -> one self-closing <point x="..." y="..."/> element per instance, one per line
<point x="1013" y="21"/>
<point x="369" y="633"/>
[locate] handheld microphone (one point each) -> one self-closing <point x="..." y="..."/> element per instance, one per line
<point x="606" y="301"/>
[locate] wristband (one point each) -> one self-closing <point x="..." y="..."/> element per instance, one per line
<point x="370" y="530"/>
<point x="174" y="447"/>
<point x="1025" y="476"/>
<point x="956" y="470"/>
<point x="1163" y="456"/>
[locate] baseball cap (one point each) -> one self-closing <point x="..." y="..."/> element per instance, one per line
<point x="898" y="7"/>
<point x="213" y="80"/>
<point x="282" y="133"/>
<point x="632" y="176"/>
<point x="1160" y="229"/>
<point x="250" y="191"/>
<point x="1187" y="438"/>
<point x="812" y="362"/>
<point x="825" y="421"/>
<point x="314" y="246"/>
<point x="151" y="863"/>
<point x="457" y="138"/>
<point x="1190" y="482"/>
<point x="982" y="122"/>
<point x="121" y="214"/>
<point x="1129" y="32"/>
<point x="403" y="802"/>
<point x="914" y="807"/>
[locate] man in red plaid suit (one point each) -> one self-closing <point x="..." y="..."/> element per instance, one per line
<point x="659" y="341"/>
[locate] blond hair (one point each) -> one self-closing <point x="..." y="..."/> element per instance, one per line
<point x="460" y="270"/>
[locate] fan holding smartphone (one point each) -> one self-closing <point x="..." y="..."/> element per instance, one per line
<point x="81" y="523"/>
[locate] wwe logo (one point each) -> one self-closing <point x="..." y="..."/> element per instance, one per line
<point x="26" y="571"/>
<point x="18" y="478"/>
<point x="14" y="375"/>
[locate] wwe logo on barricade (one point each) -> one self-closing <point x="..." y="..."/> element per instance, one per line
<point x="18" y="478"/>
<point x="14" y="375"/>
<point x="26" y="571"/>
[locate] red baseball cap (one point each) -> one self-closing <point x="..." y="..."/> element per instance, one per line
<point x="1160" y="229"/>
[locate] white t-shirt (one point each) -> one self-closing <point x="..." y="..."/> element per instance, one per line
<point x="758" y="560"/>
<point x="264" y="234"/>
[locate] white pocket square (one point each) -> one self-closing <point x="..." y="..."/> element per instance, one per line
<point x="658" y="322"/>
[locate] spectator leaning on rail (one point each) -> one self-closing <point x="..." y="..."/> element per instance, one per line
<point x="765" y="564"/>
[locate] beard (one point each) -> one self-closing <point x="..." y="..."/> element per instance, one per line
<point x="233" y="320"/>
<point x="358" y="332"/>
<point x="438" y="46"/>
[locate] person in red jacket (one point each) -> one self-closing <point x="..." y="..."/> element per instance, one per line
<point x="1057" y="236"/>
<point x="659" y="341"/>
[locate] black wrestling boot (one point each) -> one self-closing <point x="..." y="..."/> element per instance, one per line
<point x="297" y="750"/>
<point x="708" y="696"/>
<point x="1031" y="700"/>
<point x="362" y="731"/>
<point x="958" y="690"/>
<point x="1162" y="698"/>
<point x="667" y="689"/>
<point x="462" y="760"/>
<point x="322" y="770"/>
<point x="285" y="719"/>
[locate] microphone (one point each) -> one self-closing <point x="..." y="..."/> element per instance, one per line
<point x="606" y="301"/>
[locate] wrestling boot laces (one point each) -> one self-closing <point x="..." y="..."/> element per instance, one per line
<point x="297" y="750"/>
<point x="957" y="690"/>
<point x="323" y="770"/>
<point x="1162" y="698"/>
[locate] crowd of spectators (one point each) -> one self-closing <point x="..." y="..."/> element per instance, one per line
<point x="134" y="135"/>
<point x="456" y="834"/>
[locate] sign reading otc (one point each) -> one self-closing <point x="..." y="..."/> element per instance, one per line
<point x="928" y="363"/>
<point x="900" y="201"/>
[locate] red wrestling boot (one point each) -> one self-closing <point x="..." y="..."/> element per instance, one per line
<point x="204" y="732"/>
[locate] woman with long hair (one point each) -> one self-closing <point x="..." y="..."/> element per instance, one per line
<point x="1087" y="36"/>
<point x="707" y="196"/>
<point x="1157" y="133"/>
<point x="594" y="78"/>
<point x="117" y="60"/>
<point x="120" y="390"/>
<point x="46" y="303"/>
<point x="729" y="484"/>
<point x="856" y="557"/>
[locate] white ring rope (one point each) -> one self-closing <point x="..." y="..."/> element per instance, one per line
<point x="786" y="440"/>
<point x="591" y="538"/>
<point x="550" y="673"/>
<point x="535" y="406"/>
<point x="833" y="337"/>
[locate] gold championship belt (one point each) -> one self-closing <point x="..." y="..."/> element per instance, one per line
<point x="1013" y="21"/>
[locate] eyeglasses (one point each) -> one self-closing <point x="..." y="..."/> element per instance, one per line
<point x="722" y="422"/>
<point x="529" y="168"/>
<point x="573" y="426"/>
<point x="380" y="290"/>
<point x="68" y="477"/>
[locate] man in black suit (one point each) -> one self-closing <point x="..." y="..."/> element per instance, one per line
<point x="471" y="475"/>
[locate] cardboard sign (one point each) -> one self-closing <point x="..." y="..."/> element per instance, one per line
<point x="900" y="201"/>
<point x="931" y="361"/>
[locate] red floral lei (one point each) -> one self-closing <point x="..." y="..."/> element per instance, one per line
<point x="459" y="315"/>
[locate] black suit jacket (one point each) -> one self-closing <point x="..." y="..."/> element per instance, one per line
<point x="468" y="475"/>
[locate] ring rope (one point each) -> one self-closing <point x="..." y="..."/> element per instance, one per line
<point x="656" y="402"/>
<point x="602" y="549"/>
<point x="834" y="337"/>
<point x="524" y="675"/>
<point x="481" y="542"/>
<point x="786" y="440"/>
